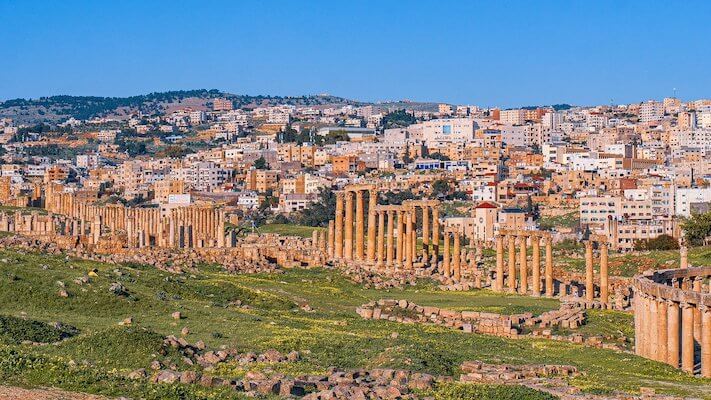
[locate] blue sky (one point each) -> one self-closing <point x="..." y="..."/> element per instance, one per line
<point x="491" y="53"/>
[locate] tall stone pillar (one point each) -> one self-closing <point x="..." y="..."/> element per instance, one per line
<point x="653" y="324"/>
<point x="435" y="233"/>
<point x="372" y="202"/>
<point x="399" y="253"/>
<point x="512" y="263"/>
<point x="673" y="333"/>
<point x="662" y="322"/>
<point x="381" y="239"/>
<point x="390" y="250"/>
<point x="549" y="267"/>
<point x="523" y="284"/>
<point x="457" y="257"/>
<point x="706" y="341"/>
<point x="683" y="256"/>
<point x="425" y="234"/>
<point x="446" y="271"/>
<point x="331" y="241"/>
<point x="413" y="234"/>
<point x="409" y="254"/>
<point x="687" y="337"/>
<point x="589" y="283"/>
<point x="536" y="267"/>
<point x="604" y="282"/>
<point x="499" y="285"/>
<point x="338" y="232"/>
<point x="359" y="225"/>
<point x="696" y="287"/>
<point x="348" y="226"/>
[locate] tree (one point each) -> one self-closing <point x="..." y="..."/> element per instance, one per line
<point x="261" y="163"/>
<point x="399" y="118"/>
<point x="661" y="242"/>
<point x="439" y="156"/>
<point x="440" y="188"/>
<point x="697" y="228"/>
<point x="320" y="211"/>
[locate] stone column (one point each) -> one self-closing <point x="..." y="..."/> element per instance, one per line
<point x="445" y="256"/>
<point x="499" y="285"/>
<point x="523" y="284"/>
<point x="457" y="257"/>
<point x="372" y="202"/>
<point x="348" y="236"/>
<point x="435" y="233"/>
<point x="338" y="233"/>
<point x="604" y="282"/>
<point x="359" y="225"/>
<point x="381" y="239"/>
<point x="673" y="334"/>
<point x="662" y="322"/>
<point x="687" y="337"/>
<point x="645" y="339"/>
<point x="314" y="239"/>
<point x="536" y="276"/>
<point x="409" y="254"/>
<point x="706" y="341"/>
<point x="653" y="324"/>
<point x="549" y="267"/>
<point x="696" y="287"/>
<point x="399" y="253"/>
<point x="425" y="234"/>
<point x="589" y="283"/>
<point x="683" y="256"/>
<point x="331" y="241"/>
<point x="413" y="234"/>
<point x="390" y="249"/>
<point x="512" y="263"/>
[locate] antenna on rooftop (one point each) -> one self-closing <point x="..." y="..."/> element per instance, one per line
<point x="674" y="89"/>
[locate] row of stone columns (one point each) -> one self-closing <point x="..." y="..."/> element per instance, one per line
<point x="669" y="331"/>
<point x="521" y="238"/>
<point x="346" y="246"/>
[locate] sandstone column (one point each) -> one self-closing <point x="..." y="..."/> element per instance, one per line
<point x="331" y="241"/>
<point x="499" y="285"/>
<point x="425" y="234"/>
<point x="589" y="284"/>
<point x="653" y="324"/>
<point x="683" y="256"/>
<point x="399" y="253"/>
<point x="687" y="337"/>
<point x="390" y="250"/>
<point x="673" y="333"/>
<point x="536" y="276"/>
<point x="696" y="287"/>
<point x="512" y="263"/>
<point x="381" y="239"/>
<point x="408" y="241"/>
<point x="359" y="225"/>
<point x="435" y="233"/>
<point x="348" y="247"/>
<point x="445" y="260"/>
<point x="457" y="257"/>
<point x="706" y="342"/>
<point x="523" y="284"/>
<point x="662" y="322"/>
<point x="604" y="282"/>
<point x="549" y="267"/>
<point x="338" y="232"/>
<point x="372" y="202"/>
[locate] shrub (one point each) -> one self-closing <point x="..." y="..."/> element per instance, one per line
<point x="16" y="330"/>
<point x="661" y="242"/>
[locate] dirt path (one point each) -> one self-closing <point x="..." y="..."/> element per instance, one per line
<point x="16" y="393"/>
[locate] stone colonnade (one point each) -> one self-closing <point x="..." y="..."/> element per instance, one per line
<point x="507" y="279"/>
<point x="672" y="318"/>
<point x="590" y="271"/>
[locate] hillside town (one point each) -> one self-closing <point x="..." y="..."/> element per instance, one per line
<point x="629" y="173"/>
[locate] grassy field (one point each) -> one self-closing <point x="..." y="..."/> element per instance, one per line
<point x="97" y="357"/>
<point x="288" y="230"/>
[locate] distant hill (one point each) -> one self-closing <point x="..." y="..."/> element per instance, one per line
<point x="60" y="108"/>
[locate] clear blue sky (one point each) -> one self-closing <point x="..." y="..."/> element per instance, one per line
<point x="489" y="53"/>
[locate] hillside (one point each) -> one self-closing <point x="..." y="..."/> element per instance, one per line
<point x="60" y="108"/>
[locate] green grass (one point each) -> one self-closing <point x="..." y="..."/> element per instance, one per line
<point x="23" y="210"/>
<point x="289" y="230"/>
<point x="332" y="335"/>
<point x="569" y="220"/>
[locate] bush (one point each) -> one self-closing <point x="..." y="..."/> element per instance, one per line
<point x="661" y="242"/>
<point x="16" y="330"/>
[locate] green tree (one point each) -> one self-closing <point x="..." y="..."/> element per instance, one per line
<point x="661" y="242"/>
<point x="261" y="163"/>
<point x="697" y="228"/>
<point x="320" y="211"/>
